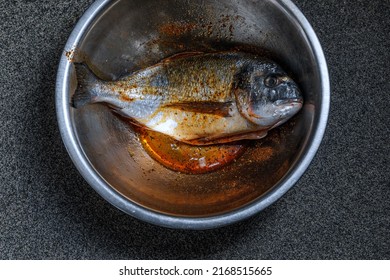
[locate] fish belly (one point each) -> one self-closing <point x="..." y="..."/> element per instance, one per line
<point x="191" y="126"/>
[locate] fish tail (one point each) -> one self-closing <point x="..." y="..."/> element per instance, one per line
<point x="86" y="83"/>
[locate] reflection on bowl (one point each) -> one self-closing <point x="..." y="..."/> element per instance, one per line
<point x="118" y="37"/>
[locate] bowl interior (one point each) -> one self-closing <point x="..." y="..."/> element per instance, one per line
<point x="127" y="36"/>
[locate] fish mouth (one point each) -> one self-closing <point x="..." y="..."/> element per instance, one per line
<point x="289" y="101"/>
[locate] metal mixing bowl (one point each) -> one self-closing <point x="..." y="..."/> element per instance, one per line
<point x="119" y="37"/>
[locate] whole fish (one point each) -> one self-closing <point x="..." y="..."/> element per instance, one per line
<point x="199" y="98"/>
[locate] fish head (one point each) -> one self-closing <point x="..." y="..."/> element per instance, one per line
<point x="266" y="95"/>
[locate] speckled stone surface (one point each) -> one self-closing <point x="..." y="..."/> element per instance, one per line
<point x="339" y="209"/>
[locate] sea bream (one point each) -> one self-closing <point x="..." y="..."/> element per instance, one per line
<point x="199" y="98"/>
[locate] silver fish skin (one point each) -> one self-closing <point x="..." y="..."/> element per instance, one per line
<point x="199" y="98"/>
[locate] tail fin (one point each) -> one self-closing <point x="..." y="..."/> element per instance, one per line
<point x="86" y="82"/>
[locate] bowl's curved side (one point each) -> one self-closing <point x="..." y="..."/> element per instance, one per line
<point x="107" y="192"/>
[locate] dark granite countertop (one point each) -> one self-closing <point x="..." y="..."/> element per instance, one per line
<point x="339" y="209"/>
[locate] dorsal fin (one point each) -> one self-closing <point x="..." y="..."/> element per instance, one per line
<point x="180" y="55"/>
<point x="203" y="107"/>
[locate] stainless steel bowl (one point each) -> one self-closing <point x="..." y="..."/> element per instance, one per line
<point x="118" y="37"/>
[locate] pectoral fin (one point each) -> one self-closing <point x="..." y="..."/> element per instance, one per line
<point x="214" y="108"/>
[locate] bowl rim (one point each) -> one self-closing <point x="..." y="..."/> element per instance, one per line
<point x="83" y="165"/>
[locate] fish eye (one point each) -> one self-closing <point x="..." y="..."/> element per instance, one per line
<point x="271" y="81"/>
